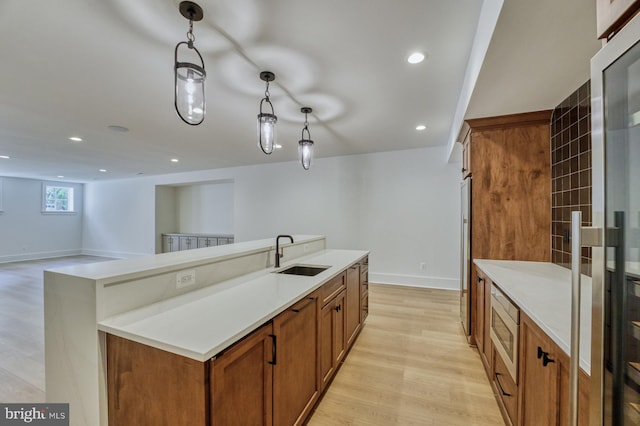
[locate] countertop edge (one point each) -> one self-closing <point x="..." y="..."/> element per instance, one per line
<point x="202" y="356"/>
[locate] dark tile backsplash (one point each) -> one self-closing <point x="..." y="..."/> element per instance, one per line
<point x="570" y="173"/>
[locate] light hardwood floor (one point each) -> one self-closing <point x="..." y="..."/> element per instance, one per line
<point x="22" y="327"/>
<point x="410" y="365"/>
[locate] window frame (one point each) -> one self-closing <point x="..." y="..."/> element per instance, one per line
<point x="70" y="198"/>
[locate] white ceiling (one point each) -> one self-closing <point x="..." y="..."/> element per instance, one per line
<point x="74" y="67"/>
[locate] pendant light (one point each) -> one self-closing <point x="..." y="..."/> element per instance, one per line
<point x="305" y="146"/>
<point x="189" y="77"/>
<point x="267" y="121"/>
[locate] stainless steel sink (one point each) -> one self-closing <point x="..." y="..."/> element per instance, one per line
<point x="305" y="270"/>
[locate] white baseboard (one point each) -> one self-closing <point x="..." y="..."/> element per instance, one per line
<point x="39" y="255"/>
<point x="415" y="281"/>
<point x="112" y="254"/>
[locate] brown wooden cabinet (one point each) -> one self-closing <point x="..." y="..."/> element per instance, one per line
<point x="296" y="385"/>
<point x="505" y="389"/>
<point x="272" y="376"/>
<point x="364" y="290"/>
<point x="538" y="376"/>
<point x="353" y="303"/>
<point x="149" y="386"/>
<point x="509" y="163"/>
<point x="545" y="388"/>
<point x="242" y="376"/>
<point x="483" y="317"/>
<point x="332" y="337"/>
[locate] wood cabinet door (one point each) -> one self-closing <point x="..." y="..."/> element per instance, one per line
<point x="326" y="344"/>
<point x="242" y="382"/>
<point x="478" y="329"/>
<point x="339" y="329"/>
<point x="149" y="386"/>
<point x="486" y="325"/>
<point x="353" y="303"/>
<point x="583" y="395"/>
<point x="538" y="382"/>
<point x="296" y="385"/>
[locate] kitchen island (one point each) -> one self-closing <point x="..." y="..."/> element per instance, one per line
<point x="190" y="304"/>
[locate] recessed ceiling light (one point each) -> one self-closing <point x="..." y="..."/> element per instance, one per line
<point x="421" y="127"/>
<point x="415" y="58"/>
<point x="59" y="176"/>
<point x="120" y="129"/>
<point x="6" y="157"/>
<point x="75" y="139"/>
<point x="277" y="146"/>
<point x="174" y="160"/>
<point x="103" y="170"/>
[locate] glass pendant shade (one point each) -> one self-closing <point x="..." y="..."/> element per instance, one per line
<point x="267" y="121"/>
<point x="305" y="149"/>
<point x="189" y="97"/>
<point x="267" y="132"/>
<point x="305" y="144"/>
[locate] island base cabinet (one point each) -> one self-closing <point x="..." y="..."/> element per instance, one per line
<point x="353" y="299"/>
<point x="149" y="386"/>
<point x="296" y="382"/>
<point x="332" y="337"/>
<point x="241" y="382"/>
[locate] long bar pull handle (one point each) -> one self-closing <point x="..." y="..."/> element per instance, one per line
<point x="576" y="253"/>
<point x="274" y="350"/>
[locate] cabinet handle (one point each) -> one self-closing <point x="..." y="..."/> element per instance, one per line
<point x="338" y="308"/>
<point x="480" y="279"/>
<point x="500" y="385"/>
<point x="464" y="170"/>
<point x="545" y="357"/>
<point x="273" y="350"/>
<point x="309" y="302"/>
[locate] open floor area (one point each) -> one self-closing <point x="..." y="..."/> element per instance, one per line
<point x="411" y="364"/>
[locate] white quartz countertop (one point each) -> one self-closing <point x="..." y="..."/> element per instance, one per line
<point x="136" y="267"/>
<point x="203" y="322"/>
<point x="542" y="290"/>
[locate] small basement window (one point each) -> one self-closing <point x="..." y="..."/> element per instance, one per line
<point x="57" y="199"/>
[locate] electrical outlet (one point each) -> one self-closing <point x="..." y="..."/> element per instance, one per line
<point x="185" y="278"/>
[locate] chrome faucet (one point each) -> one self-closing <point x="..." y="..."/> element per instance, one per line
<point x="278" y="255"/>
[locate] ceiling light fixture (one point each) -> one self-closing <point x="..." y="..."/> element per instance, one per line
<point x="415" y="58"/>
<point x="421" y="127"/>
<point x="75" y="139"/>
<point x="60" y="177"/>
<point x="5" y="157"/>
<point x="305" y="146"/>
<point x="189" y="77"/>
<point x="103" y="170"/>
<point x="174" y="160"/>
<point x="267" y="121"/>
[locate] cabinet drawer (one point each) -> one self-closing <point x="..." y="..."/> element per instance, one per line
<point x="332" y="288"/>
<point x="505" y="387"/>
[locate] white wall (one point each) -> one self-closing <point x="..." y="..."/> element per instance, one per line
<point x="205" y="208"/>
<point x="27" y="233"/>
<point x="403" y="206"/>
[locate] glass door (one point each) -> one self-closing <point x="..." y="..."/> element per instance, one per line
<point x="621" y="345"/>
